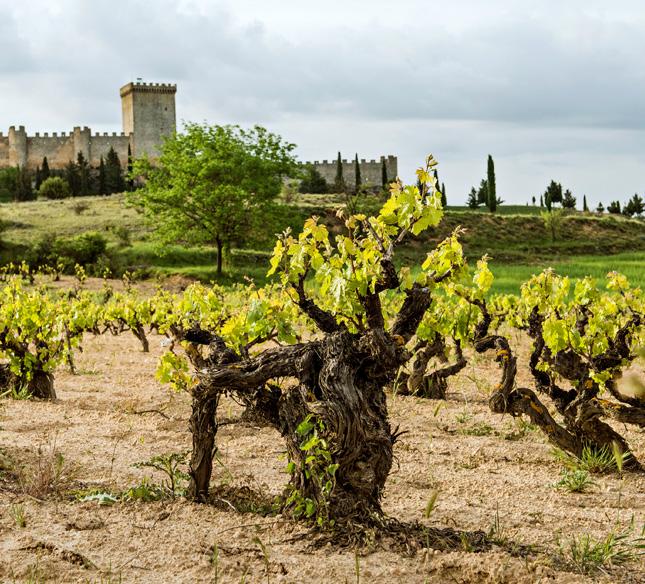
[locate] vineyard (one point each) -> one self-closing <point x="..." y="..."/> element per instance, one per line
<point x="352" y="420"/>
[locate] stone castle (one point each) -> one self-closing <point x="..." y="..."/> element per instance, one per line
<point x="148" y="111"/>
<point x="371" y="170"/>
<point x="148" y="115"/>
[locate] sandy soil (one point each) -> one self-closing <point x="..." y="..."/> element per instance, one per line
<point x="98" y="426"/>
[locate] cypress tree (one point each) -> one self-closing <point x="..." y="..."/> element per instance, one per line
<point x="39" y="180"/>
<point x="541" y="202"/>
<point x="444" y="200"/>
<point x="339" y="182"/>
<point x="113" y="177"/>
<point x="44" y="170"/>
<point x="129" y="178"/>
<point x="357" y="173"/>
<point x="83" y="174"/>
<point x="492" y="193"/>
<point x="585" y="208"/>
<point x="384" y="179"/>
<point x="73" y="178"/>
<point x="102" y="186"/>
<point x="23" y="188"/>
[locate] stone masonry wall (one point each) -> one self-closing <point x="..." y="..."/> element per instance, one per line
<point x="19" y="149"/>
<point x="370" y="170"/>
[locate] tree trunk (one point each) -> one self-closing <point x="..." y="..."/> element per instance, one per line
<point x="354" y="420"/>
<point x="203" y="426"/>
<point x="41" y="385"/>
<point x="341" y="382"/>
<point x="139" y="332"/>
<point x="220" y="251"/>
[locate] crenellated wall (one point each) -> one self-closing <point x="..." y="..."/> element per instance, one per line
<point x="19" y="149"/>
<point x="148" y="116"/>
<point x="371" y="170"/>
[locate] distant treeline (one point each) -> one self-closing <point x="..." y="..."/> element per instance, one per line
<point x="78" y="178"/>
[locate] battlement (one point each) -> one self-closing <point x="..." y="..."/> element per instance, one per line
<point x="148" y="111"/>
<point x="371" y="170"/>
<point x="142" y="87"/>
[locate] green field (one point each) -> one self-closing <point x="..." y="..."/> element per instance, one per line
<point x="515" y="238"/>
<point x="508" y="277"/>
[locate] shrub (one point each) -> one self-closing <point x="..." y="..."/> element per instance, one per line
<point x="84" y="249"/>
<point x="54" y="187"/>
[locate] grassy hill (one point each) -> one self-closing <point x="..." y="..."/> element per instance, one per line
<point x="517" y="241"/>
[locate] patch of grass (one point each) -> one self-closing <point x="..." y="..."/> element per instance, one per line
<point x="478" y="429"/>
<point x="519" y="429"/>
<point x="592" y="460"/>
<point x="588" y="555"/>
<point x="575" y="481"/>
<point x="48" y="474"/>
<point x="17" y="513"/>
<point x="463" y="417"/>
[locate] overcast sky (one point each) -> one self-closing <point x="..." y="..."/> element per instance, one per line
<point x="551" y="89"/>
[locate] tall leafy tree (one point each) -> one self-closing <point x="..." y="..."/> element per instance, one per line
<point x="634" y="206"/>
<point x="568" y="200"/>
<point x="114" y="181"/>
<point x="492" y="191"/>
<point x="312" y="181"/>
<point x="473" y="199"/>
<point x="614" y="207"/>
<point x="553" y="194"/>
<point x="600" y="208"/>
<point x="482" y="193"/>
<point x="213" y="185"/>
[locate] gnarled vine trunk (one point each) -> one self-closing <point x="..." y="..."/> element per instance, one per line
<point x="341" y="382"/>
<point x="41" y="385"/>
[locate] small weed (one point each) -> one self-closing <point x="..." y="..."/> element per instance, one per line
<point x="463" y="417"/>
<point x="594" y="460"/>
<point x="574" y="481"/>
<point x="497" y="533"/>
<point x="98" y="495"/>
<point x="145" y="491"/>
<point x="17" y="512"/>
<point x="80" y="207"/>
<point x="465" y="543"/>
<point x="215" y="563"/>
<point x="430" y="505"/>
<point x="265" y="556"/>
<point x="478" y="429"/>
<point x="48" y="474"/>
<point x="169" y="464"/>
<point x="18" y="392"/>
<point x="587" y="555"/>
<point x="521" y="428"/>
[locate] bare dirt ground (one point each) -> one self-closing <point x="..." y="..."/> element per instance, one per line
<point x="486" y="469"/>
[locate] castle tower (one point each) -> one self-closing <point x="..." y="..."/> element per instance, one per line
<point x="148" y="115"/>
<point x="17" y="146"/>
